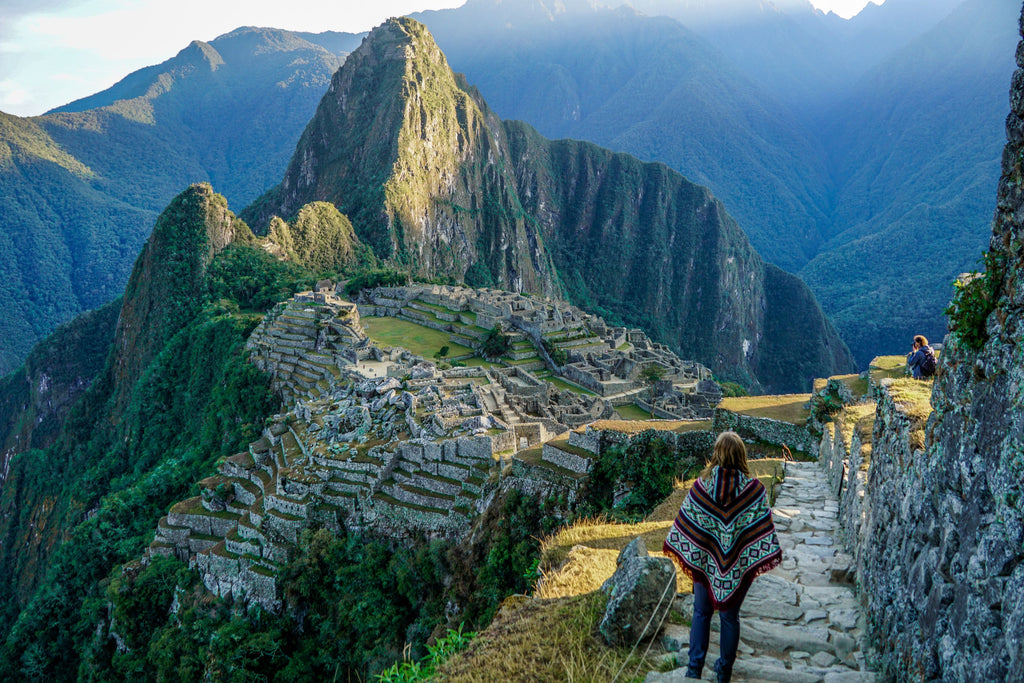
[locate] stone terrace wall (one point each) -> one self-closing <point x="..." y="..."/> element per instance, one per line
<point x="942" y="566"/>
<point x="766" y="429"/>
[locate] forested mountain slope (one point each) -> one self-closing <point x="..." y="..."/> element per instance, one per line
<point x="833" y="147"/>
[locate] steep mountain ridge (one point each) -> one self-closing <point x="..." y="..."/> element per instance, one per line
<point x="433" y="180"/>
<point x="398" y="159"/>
<point x="126" y="405"/>
<point x="168" y="283"/>
<point x="657" y="90"/>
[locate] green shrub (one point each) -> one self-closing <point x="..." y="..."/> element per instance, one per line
<point x="409" y="671"/>
<point x="649" y="463"/>
<point x="495" y="343"/>
<point x="558" y="355"/>
<point x="974" y="299"/>
<point x="731" y="389"/>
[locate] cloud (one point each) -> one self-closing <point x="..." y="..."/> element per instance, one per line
<point x="16" y="10"/>
<point x="13" y="95"/>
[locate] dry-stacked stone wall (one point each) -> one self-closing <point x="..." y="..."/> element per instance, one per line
<point x="941" y="549"/>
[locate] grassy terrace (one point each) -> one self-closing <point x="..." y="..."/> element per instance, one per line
<point x="632" y="412"/>
<point x="913" y="395"/>
<point x="532" y="456"/>
<point x="412" y="506"/>
<point x="859" y="419"/>
<point x="891" y="367"/>
<point x="637" y="426"/>
<point x="785" y="407"/>
<point x="565" y="384"/>
<point x="522" y="361"/>
<point x="857" y="385"/>
<point x="563" y="444"/>
<point x="418" y="339"/>
<point x="194" y="506"/>
<point x="435" y="307"/>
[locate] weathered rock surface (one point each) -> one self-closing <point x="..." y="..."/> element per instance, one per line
<point x="937" y="525"/>
<point x="640" y="595"/>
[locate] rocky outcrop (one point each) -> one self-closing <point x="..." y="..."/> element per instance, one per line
<point x="432" y="179"/>
<point x="640" y="595"/>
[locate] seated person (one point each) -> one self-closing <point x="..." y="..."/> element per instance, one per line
<point x="921" y="360"/>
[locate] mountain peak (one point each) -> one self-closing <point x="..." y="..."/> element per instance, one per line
<point x="380" y="153"/>
<point x="168" y="283"/>
<point x="200" y="53"/>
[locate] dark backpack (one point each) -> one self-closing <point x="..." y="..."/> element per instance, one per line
<point x="928" y="364"/>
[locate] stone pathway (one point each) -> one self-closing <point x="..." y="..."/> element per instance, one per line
<point x="799" y="623"/>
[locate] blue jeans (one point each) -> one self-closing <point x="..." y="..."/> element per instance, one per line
<point x="700" y="634"/>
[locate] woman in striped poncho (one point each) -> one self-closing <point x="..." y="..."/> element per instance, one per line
<point x="723" y="537"/>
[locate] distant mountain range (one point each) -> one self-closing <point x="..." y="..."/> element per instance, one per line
<point x="854" y="153"/>
<point x="80" y="187"/>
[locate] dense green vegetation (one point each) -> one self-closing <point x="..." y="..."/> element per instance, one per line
<point x="199" y="400"/>
<point x="495" y="343"/>
<point x="650" y="463"/>
<point x="253" y="279"/>
<point x="376" y="278"/>
<point x="354" y="606"/>
<point x="321" y="238"/>
<point x="153" y="422"/>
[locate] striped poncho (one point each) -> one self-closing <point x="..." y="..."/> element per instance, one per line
<point x="724" y="535"/>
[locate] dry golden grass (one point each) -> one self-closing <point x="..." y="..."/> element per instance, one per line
<point x="913" y="396"/>
<point x="858" y="419"/>
<point x="582" y="571"/>
<point x="534" y="640"/>
<point x="785" y="407"/>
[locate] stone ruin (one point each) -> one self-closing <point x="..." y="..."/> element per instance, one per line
<point x="380" y="439"/>
<point x="608" y="361"/>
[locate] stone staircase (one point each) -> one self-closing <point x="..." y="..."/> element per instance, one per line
<point x="800" y="623"/>
<point x="302" y="344"/>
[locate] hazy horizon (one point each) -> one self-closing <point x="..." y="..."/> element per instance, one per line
<point x="53" y="52"/>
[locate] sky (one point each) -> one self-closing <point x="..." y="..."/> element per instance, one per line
<point x="55" y="51"/>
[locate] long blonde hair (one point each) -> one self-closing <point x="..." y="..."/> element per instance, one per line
<point x="730" y="452"/>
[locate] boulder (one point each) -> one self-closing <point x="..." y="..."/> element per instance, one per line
<point x="640" y="594"/>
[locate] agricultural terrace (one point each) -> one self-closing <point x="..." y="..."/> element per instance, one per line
<point x="792" y="408"/>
